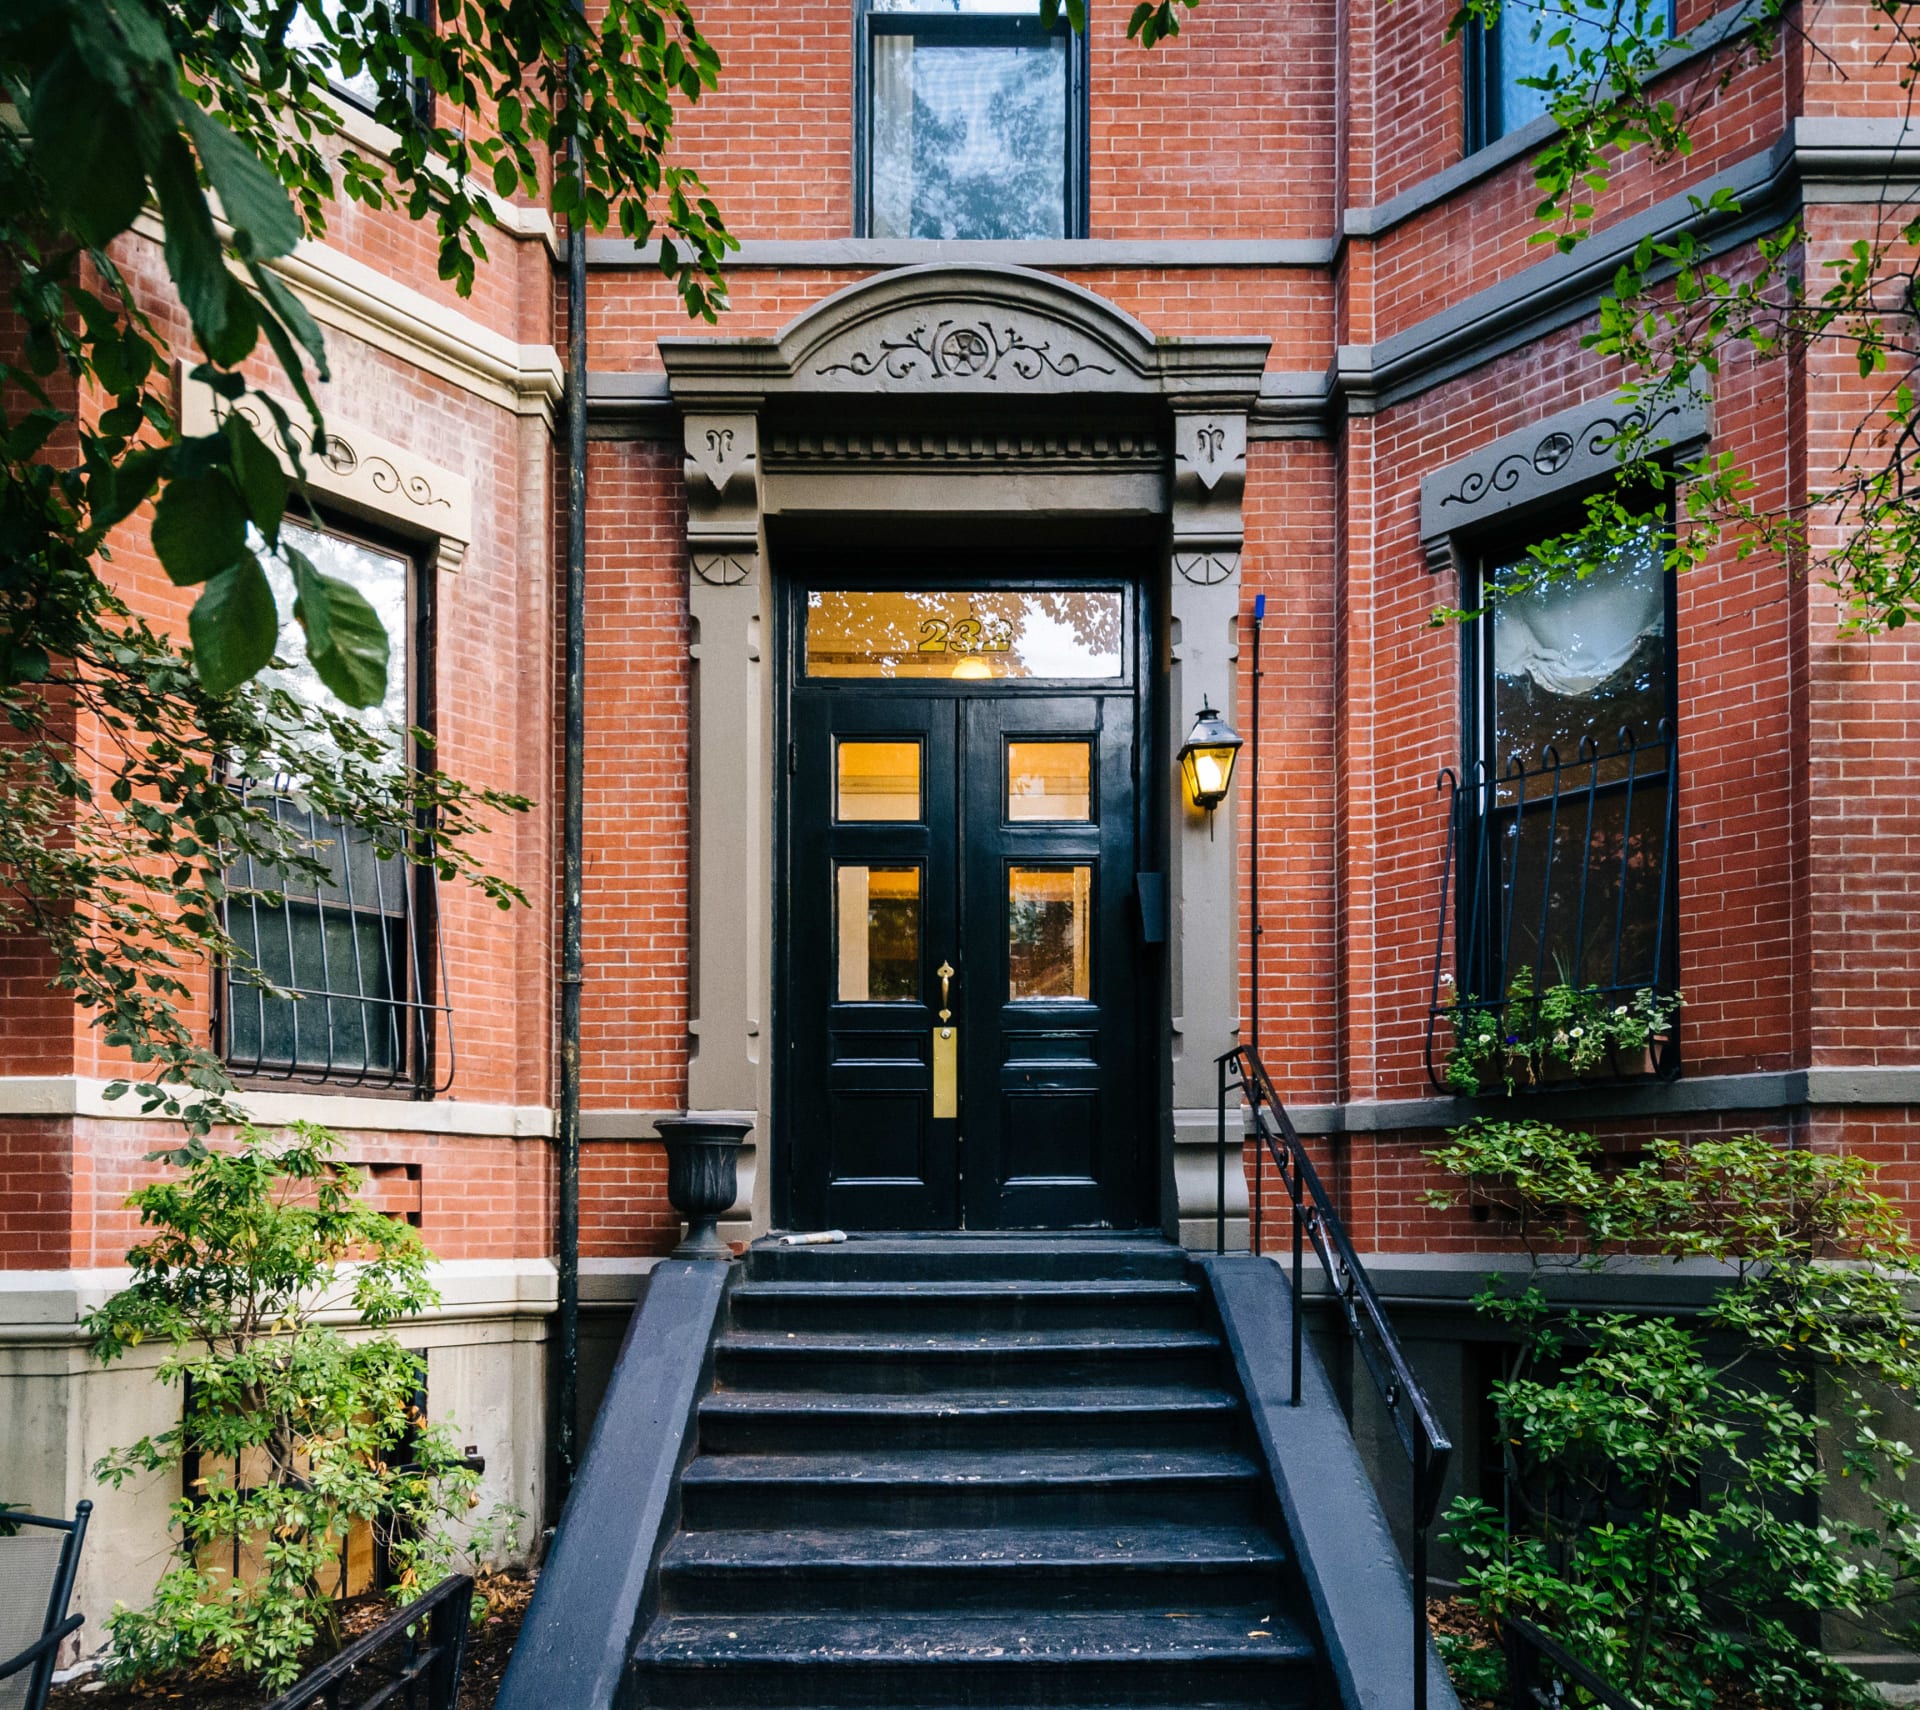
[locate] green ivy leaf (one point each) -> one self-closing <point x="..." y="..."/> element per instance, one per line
<point x="192" y="245"/>
<point x="263" y="220"/>
<point x="199" y="526"/>
<point x="234" y="625"/>
<point x="346" y="642"/>
<point x="257" y="471"/>
<point x="83" y="143"/>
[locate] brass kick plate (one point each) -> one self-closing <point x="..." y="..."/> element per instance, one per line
<point x="946" y="1073"/>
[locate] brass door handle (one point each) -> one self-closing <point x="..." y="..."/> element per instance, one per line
<point x="946" y="1056"/>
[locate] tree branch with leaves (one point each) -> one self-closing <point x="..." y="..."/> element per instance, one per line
<point x="124" y="780"/>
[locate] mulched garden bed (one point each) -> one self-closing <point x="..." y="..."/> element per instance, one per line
<point x="488" y="1646"/>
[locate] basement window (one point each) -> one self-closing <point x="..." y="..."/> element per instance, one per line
<point x="971" y="121"/>
<point x="335" y="979"/>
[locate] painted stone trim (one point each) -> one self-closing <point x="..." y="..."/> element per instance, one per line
<point x="1547" y="461"/>
<point x="893" y="449"/>
<point x="359" y="473"/>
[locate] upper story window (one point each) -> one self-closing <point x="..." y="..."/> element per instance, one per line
<point x="358" y="87"/>
<point x="972" y="121"/>
<point x="1567" y="805"/>
<point x="337" y="978"/>
<point x="1537" y="41"/>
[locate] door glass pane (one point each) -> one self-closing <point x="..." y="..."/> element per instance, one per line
<point x="1071" y="634"/>
<point x="1049" y="780"/>
<point x="877" y="780"/>
<point x="1049" y="930"/>
<point x="879" y="933"/>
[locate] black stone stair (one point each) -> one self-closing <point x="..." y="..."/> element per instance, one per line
<point x="980" y="1472"/>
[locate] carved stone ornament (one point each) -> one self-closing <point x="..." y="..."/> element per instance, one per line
<point x="723" y="497"/>
<point x="1213" y="447"/>
<point x="1573" y="449"/>
<point x="722" y="569"/>
<point x="720" y="449"/>
<point x="1205" y="569"/>
<point x="358" y="472"/>
<point x="963" y="349"/>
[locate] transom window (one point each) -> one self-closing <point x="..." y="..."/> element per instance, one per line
<point x="972" y="121"/>
<point x="336" y="977"/>
<point x="1535" y="42"/>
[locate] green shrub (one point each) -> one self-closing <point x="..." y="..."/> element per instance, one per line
<point x="1670" y="1514"/>
<point x="259" y="1260"/>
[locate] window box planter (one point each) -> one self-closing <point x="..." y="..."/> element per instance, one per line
<point x="1564" y="1036"/>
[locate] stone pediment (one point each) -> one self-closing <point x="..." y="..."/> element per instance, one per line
<point x="942" y="331"/>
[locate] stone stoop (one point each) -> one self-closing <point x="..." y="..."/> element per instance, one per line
<point x="974" y="1471"/>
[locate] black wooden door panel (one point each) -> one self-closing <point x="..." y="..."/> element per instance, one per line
<point x="872" y="1154"/>
<point x="1050" y="1056"/>
<point x="991" y="829"/>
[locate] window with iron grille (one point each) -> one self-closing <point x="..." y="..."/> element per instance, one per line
<point x="1532" y="40"/>
<point x="971" y="121"/>
<point x="337" y="977"/>
<point x="1563" y="823"/>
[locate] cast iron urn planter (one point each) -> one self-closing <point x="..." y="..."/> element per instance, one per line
<point x="703" y="1158"/>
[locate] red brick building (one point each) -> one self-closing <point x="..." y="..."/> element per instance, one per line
<point x="1047" y="359"/>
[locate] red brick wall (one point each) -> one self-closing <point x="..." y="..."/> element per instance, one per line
<point x="1799" y="837"/>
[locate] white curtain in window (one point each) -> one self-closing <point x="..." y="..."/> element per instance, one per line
<point x="1573" y="636"/>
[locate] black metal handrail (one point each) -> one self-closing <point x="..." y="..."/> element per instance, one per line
<point x="1428" y="1447"/>
<point x="425" y="1676"/>
<point x="1526" y="1647"/>
<point x="1594" y="837"/>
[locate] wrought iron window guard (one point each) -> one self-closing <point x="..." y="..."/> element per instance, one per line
<point x="1560" y="874"/>
<point x="1241" y="1074"/>
<point x="430" y="1635"/>
<point x="354" y="969"/>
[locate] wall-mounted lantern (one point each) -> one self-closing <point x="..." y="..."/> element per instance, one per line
<point x="1206" y="759"/>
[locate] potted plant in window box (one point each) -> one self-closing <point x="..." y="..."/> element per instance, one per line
<point x="1566" y="1033"/>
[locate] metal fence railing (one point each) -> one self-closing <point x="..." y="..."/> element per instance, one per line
<point x="1314" y="1219"/>
<point x="411" y="1661"/>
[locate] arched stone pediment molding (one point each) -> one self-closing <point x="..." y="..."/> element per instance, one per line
<point x="976" y="332"/>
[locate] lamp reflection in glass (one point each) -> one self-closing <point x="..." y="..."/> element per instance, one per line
<point x="1206" y="759"/>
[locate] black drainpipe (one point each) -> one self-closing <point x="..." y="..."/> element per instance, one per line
<point x="567" y="1401"/>
<point x="1253" y="842"/>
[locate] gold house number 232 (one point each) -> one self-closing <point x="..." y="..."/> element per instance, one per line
<point x="964" y="635"/>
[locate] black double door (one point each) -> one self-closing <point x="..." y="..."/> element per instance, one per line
<point x="963" y="959"/>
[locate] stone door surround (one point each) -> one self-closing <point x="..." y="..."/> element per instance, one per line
<point x="850" y="413"/>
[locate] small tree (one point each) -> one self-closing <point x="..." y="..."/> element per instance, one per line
<point x="1671" y="1510"/>
<point x="300" y="1433"/>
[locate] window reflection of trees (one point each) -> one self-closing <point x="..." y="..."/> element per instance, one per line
<point x="1062" y="632"/>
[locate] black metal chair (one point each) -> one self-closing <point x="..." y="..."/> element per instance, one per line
<point x="38" y="1560"/>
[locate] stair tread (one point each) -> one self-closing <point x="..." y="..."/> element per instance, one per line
<point x="1023" y="1342"/>
<point x="1160" y="1635"/>
<point x="968" y="1547"/>
<point x="965" y="1288"/>
<point x="972" y="1467"/>
<point x="1130" y="1399"/>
